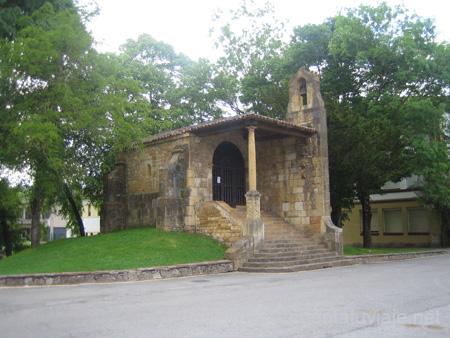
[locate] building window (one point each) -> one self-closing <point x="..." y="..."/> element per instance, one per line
<point x="89" y="210"/>
<point x="393" y="224"/>
<point x="418" y="221"/>
<point x="26" y="234"/>
<point x="28" y="213"/>
<point x="373" y="222"/>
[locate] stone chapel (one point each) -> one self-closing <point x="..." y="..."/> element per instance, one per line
<point x="220" y="178"/>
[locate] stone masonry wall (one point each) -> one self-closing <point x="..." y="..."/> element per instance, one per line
<point x="143" y="166"/>
<point x="112" y="211"/>
<point x="199" y="172"/>
<point x="139" y="209"/>
<point x="142" y="170"/>
<point x="213" y="223"/>
<point x="288" y="180"/>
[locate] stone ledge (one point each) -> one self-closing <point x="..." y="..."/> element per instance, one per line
<point x="367" y="259"/>
<point x="140" y="274"/>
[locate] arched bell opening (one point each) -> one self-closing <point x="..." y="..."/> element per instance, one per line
<point x="229" y="174"/>
<point x="303" y="91"/>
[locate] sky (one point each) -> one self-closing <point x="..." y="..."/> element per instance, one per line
<point x="185" y="24"/>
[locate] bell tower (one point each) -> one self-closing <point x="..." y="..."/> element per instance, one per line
<point x="306" y="108"/>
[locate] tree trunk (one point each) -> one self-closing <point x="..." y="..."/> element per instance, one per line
<point x="445" y="226"/>
<point x="36" y="218"/>
<point x="367" y="217"/>
<point x="336" y="216"/>
<point x="73" y="204"/>
<point x="6" y="234"/>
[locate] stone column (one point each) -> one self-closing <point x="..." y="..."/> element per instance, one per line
<point x="253" y="225"/>
<point x="251" y="158"/>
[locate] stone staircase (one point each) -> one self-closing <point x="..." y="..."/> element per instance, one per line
<point x="286" y="249"/>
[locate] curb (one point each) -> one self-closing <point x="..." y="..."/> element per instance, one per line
<point x="368" y="259"/>
<point x="140" y="274"/>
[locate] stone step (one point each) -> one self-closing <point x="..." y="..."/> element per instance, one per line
<point x="291" y="242"/>
<point x="290" y="256"/>
<point x="290" y="248"/>
<point x="301" y="267"/>
<point x="283" y="235"/>
<point x="287" y="249"/>
<point x="282" y="230"/>
<point x="272" y="264"/>
<point x="286" y="243"/>
<point x="281" y="259"/>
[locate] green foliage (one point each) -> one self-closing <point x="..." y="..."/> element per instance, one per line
<point x="174" y="91"/>
<point x="11" y="11"/>
<point x="50" y="115"/>
<point x="383" y="84"/>
<point x="251" y="72"/>
<point x="10" y="211"/>
<point x="67" y="109"/>
<point x="126" y="249"/>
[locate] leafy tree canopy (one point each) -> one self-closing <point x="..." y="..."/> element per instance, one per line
<point x="10" y="211"/>
<point x="64" y="107"/>
<point x="176" y="91"/>
<point x="385" y="83"/>
<point x="12" y="10"/>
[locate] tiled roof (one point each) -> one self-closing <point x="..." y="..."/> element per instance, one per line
<point x="227" y="121"/>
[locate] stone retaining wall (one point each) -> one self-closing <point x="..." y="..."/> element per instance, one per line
<point x="182" y="270"/>
<point x="141" y="274"/>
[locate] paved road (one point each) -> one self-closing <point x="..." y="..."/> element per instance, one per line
<point x="397" y="299"/>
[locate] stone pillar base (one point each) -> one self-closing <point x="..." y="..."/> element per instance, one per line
<point x="254" y="225"/>
<point x="253" y="198"/>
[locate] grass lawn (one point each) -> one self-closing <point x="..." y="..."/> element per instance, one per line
<point x="353" y="251"/>
<point x="126" y="249"/>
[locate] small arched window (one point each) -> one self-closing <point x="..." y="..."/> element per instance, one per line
<point x="147" y="169"/>
<point x="303" y="91"/>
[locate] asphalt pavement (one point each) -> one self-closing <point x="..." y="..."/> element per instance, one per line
<point x="394" y="299"/>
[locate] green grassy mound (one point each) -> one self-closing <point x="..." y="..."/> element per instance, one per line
<point x="126" y="249"/>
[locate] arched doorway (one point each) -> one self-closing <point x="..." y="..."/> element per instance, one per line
<point x="229" y="175"/>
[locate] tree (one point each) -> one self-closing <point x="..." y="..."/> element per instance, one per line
<point x="63" y="112"/>
<point x="45" y="65"/>
<point x="385" y="83"/>
<point x="10" y="210"/>
<point x="432" y="165"/>
<point x="12" y="10"/>
<point x="175" y="91"/>
<point x="251" y="73"/>
<point x="391" y="81"/>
